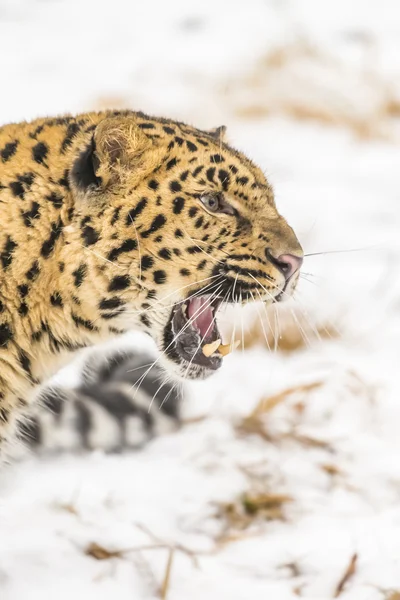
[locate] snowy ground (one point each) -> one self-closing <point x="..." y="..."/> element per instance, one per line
<point x="278" y="503"/>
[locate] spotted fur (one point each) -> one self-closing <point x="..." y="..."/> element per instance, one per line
<point x="103" y="229"/>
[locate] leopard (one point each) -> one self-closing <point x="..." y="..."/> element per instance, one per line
<point x="117" y="220"/>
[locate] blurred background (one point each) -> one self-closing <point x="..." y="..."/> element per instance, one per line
<point x="284" y="479"/>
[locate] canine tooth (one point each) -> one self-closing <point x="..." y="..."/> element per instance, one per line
<point x="209" y="349"/>
<point x="226" y="349"/>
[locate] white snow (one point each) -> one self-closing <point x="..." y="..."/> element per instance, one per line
<point x="309" y="90"/>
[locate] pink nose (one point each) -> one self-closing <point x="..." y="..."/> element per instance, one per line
<point x="289" y="264"/>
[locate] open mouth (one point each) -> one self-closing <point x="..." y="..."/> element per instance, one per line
<point x="192" y="333"/>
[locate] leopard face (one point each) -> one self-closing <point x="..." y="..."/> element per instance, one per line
<point x="174" y="223"/>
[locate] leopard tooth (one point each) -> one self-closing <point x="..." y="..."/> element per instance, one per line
<point x="226" y="349"/>
<point x="210" y="348"/>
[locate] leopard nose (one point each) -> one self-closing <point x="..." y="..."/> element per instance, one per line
<point x="289" y="264"/>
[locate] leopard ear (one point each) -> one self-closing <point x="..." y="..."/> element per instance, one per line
<point x="218" y="132"/>
<point x="117" y="149"/>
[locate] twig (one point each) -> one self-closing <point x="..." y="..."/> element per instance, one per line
<point x="167" y="576"/>
<point x="348" y="574"/>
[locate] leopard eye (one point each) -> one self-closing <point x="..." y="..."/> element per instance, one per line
<point x="211" y="202"/>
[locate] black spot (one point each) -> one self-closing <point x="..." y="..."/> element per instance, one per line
<point x="23" y="290"/>
<point x="146" y="126"/>
<point x="169" y="130"/>
<point x="79" y="322"/>
<point x="193" y="210"/>
<point x="177" y="252"/>
<point x="40" y="152"/>
<point x="153" y="184"/>
<point x="56" y="199"/>
<point x="175" y="186"/>
<point x="201" y="265"/>
<point x="49" y="244"/>
<point x="6" y="256"/>
<point x="157" y="223"/>
<point x="160" y="276"/>
<point x="29" y="215"/>
<point x="17" y="189"/>
<point x="217" y="158"/>
<point x="25" y="362"/>
<point x="119" y="283"/>
<point x="178" y="204"/>
<point x="197" y="170"/>
<point x="146" y="262"/>
<point x="64" y="180"/>
<point x="224" y="178"/>
<point x="210" y="174"/>
<point x="61" y="266"/>
<point x="33" y="271"/>
<point x="179" y="140"/>
<point x="193" y="249"/>
<point x="199" y="222"/>
<point x="56" y="299"/>
<point x="136" y="211"/>
<point x="145" y="320"/>
<point x="115" y="216"/>
<point x="5" y="334"/>
<point x="23" y="309"/>
<point x="86" y="220"/>
<point x="26" y="178"/>
<point x="127" y="246"/>
<point x="37" y="336"/>
<point x="1" y="307"/>
<point x="242" y="180"/>
<point x="171" y="163"/>
<point x="72" y="130"/>
<point x="90" y="236"/>
<point x="178" y="233"/>
<point x="79" y="275"/>
<point x="185" y="272"/>
<point x="8" y="151"/>
<point x="165" y="253"/>
<point x="109" y="303"/>
<point x="191" y="147"/>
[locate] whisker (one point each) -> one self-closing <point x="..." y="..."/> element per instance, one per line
<point x="197" y="313"/>
<point x="342" y="251"/>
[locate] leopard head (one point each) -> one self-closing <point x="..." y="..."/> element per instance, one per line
<point x="184" y="223"/>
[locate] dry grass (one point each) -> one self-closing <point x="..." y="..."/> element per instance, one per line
<point x="295" y="332"/>
<point x="348" y="574"/>
<point x="257" y="421"/>
<point x="251" y="508"/>
<point x="305" y="83"/>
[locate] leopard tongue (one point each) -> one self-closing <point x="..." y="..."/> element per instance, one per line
<point x="200" y="311"/>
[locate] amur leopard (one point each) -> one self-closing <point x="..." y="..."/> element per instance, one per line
<point x="117" y="220"/>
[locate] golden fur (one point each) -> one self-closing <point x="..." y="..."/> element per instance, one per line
<point x="102" y="230"/>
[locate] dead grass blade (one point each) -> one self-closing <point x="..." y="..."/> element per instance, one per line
<point x="255" y="422"/>
<point x="267" y="90"/>
<point x="167" y="576"/>
<point x="250" y="508"/>
<point x="348" y="574"/>
<point x="294" y="334"/>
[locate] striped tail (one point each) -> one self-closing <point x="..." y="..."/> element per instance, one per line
<point x="121" y="403"/>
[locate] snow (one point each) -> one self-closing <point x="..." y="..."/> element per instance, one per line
<point x="317" y="120"/>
